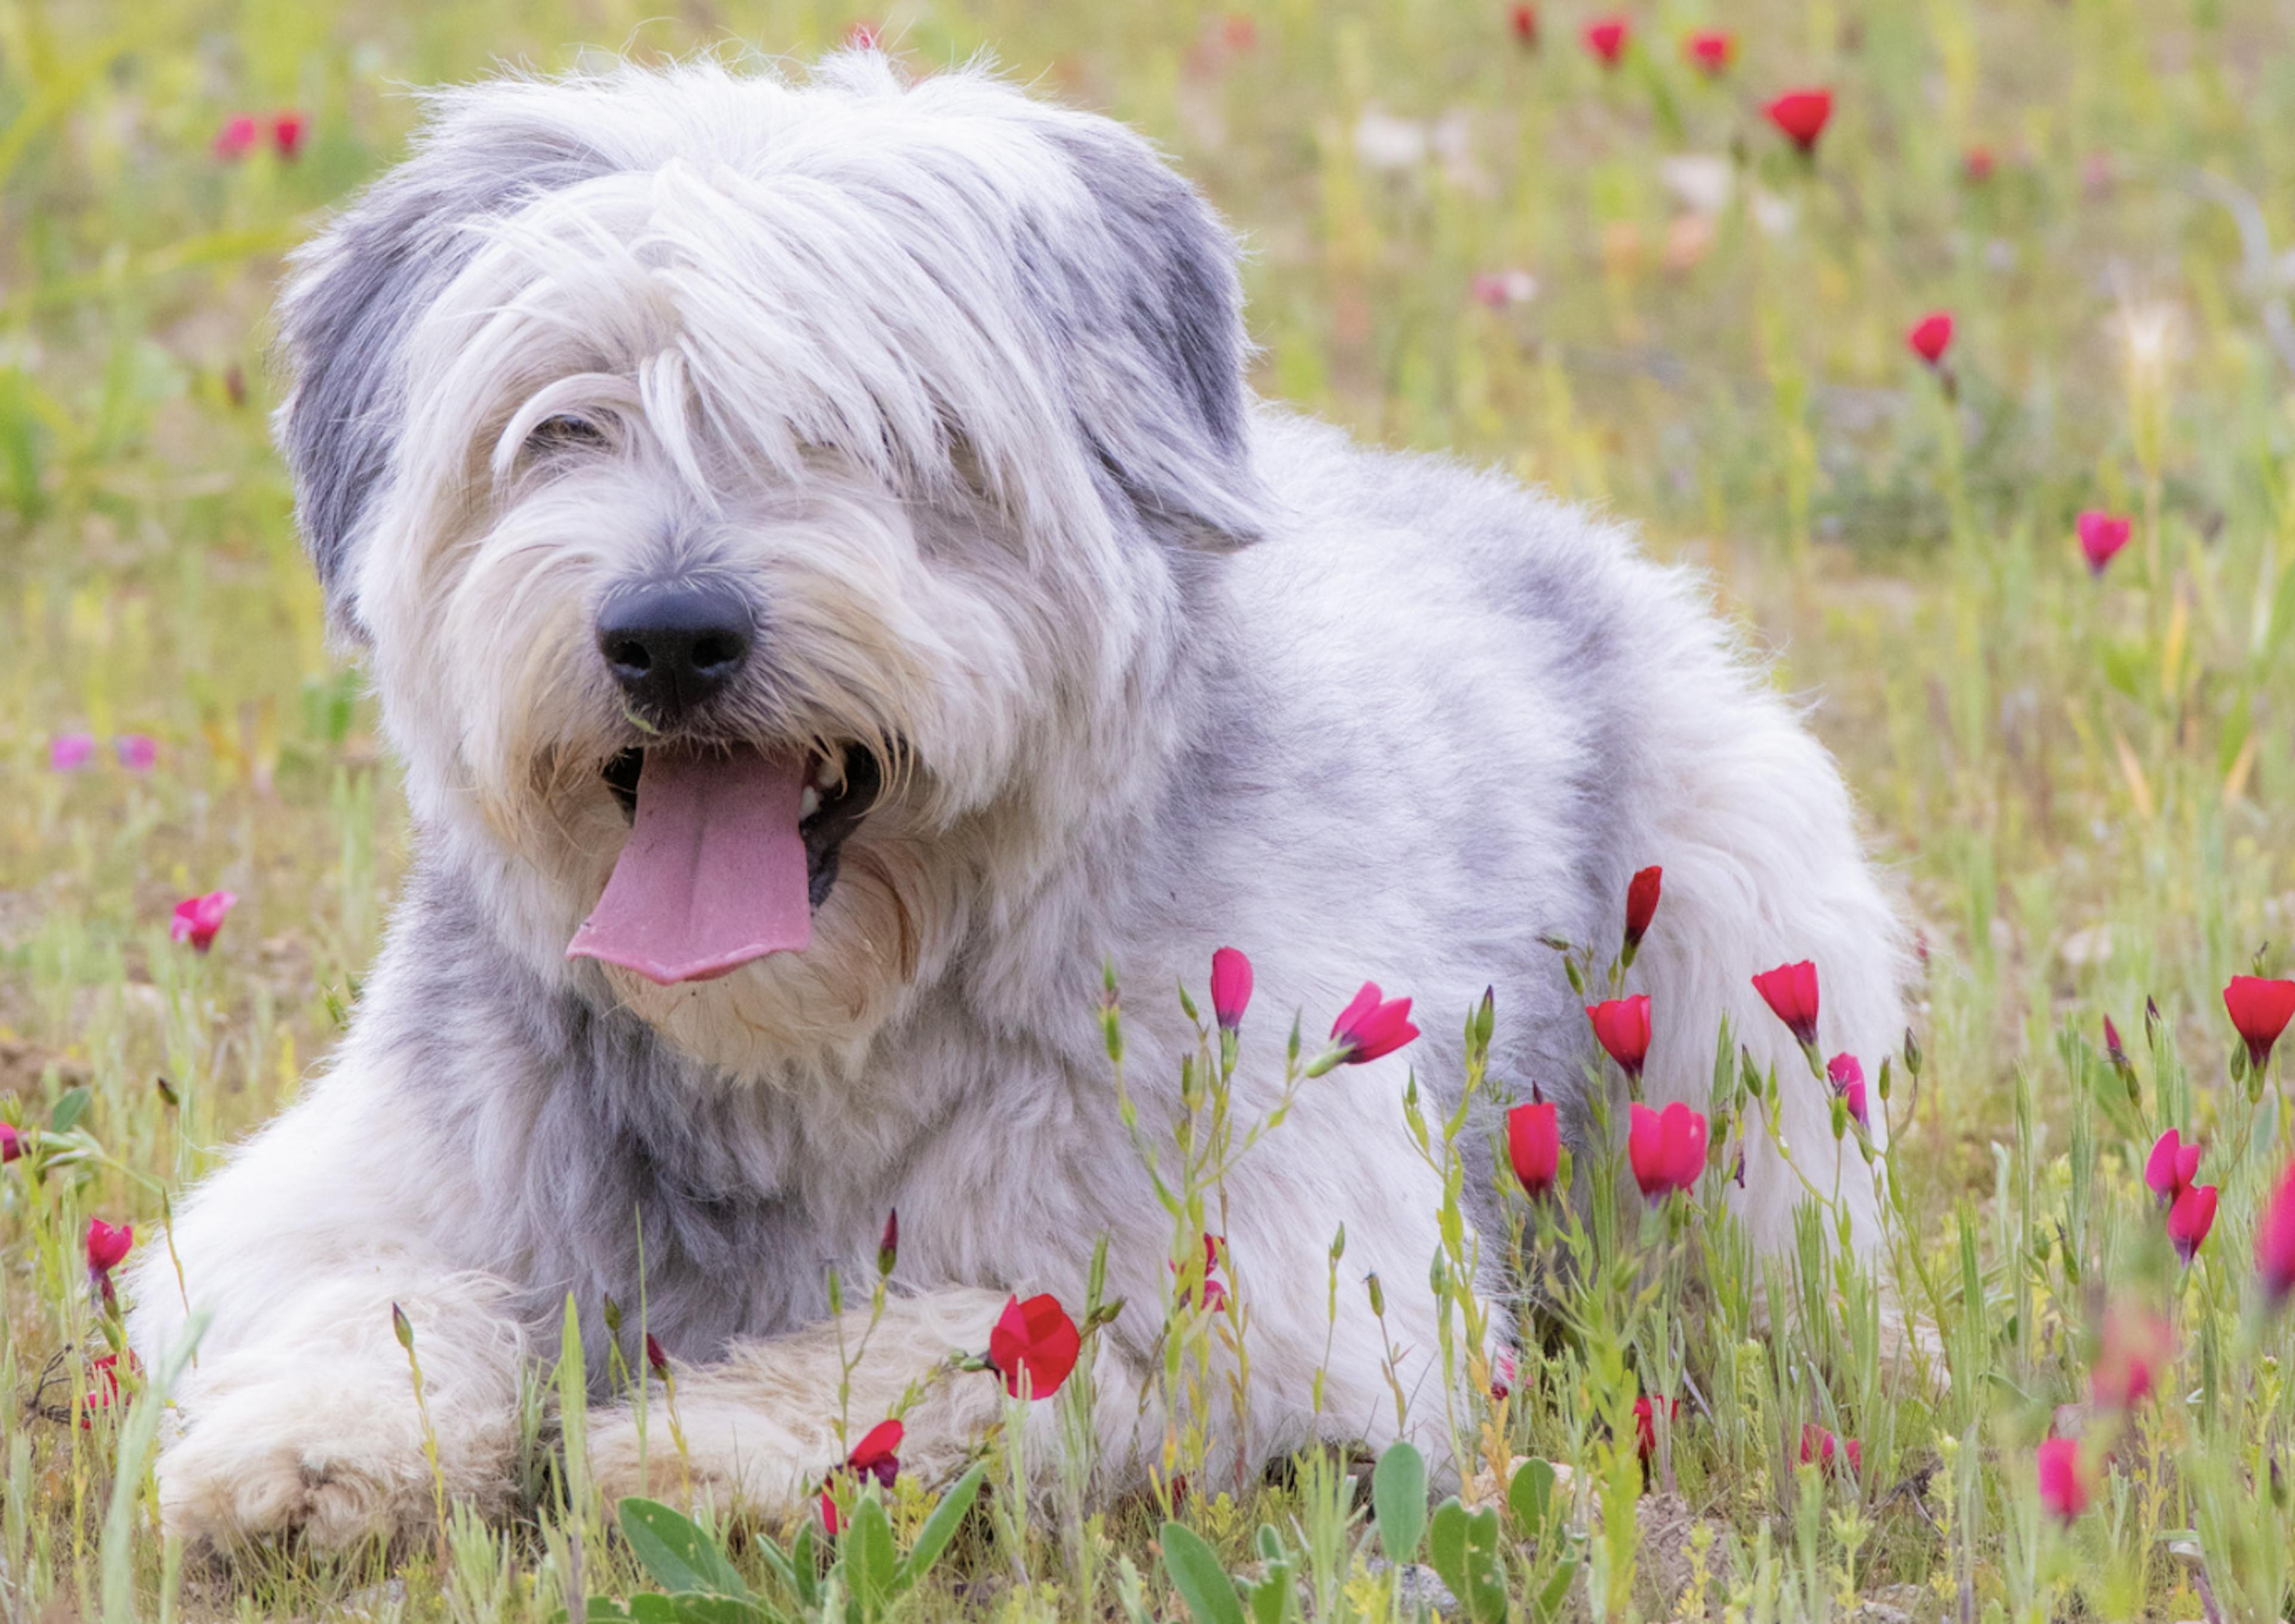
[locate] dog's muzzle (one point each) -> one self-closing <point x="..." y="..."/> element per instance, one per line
<point x="675" y="647"/>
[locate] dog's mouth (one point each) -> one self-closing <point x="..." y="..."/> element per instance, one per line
<point x="731" y="849"/>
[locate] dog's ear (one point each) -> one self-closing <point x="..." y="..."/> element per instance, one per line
<point x="1142" y="301"/>
<point x="352" y="301"/>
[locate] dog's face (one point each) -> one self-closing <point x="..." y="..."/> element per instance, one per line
<point x="760" y="504"/>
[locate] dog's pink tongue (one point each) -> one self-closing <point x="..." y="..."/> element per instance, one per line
<point x="713" y="872"/>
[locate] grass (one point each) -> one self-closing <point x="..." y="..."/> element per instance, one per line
<point x="2083" y="782"/>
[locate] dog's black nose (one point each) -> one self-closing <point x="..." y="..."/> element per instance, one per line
<point x="674" y="647"/>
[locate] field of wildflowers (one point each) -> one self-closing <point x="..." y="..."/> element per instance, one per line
<point x="1952" y="337"/>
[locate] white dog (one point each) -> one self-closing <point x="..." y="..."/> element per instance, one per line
<point x="833" y="591"/>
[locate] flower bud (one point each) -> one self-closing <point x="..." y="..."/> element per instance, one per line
<point x="1378" y="1296"/>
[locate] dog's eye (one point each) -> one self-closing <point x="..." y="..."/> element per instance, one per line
<point x="565" y="432"/>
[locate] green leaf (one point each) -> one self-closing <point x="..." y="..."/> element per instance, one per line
<point x="941" y="1527"/>
<point x="1398" y="1500"/>
<point x="1548" y="1605"/>
<point x="1530" y="1496"/>
<point x="1275" y="1597"/>
<point x="1464" y="1550"/>
<point x="872" y="1563"/>
<point x="69" y="1109"/>
<point x="678" y="1554"/>
<point x="1198" y="1577"/>
<point x="693" y="1607"/>
<point x="603" y="1610"/>
<point x="805" y="1567"/>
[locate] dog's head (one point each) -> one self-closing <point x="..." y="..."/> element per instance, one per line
<point x="757" y="501"/>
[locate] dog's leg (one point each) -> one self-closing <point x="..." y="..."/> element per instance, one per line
<point x="299" y="1414"/>
<point x="757" y="1426"/>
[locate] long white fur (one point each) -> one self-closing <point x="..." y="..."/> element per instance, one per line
<point x="1365" y="717"/>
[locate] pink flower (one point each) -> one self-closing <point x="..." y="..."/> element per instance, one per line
<point x="1505" y="1371"/>
<point x="1607" y="38"/>
<point x="237" y="137"/>
<point x="1976" y="165"/>
<point x="2275" y="1240"/>
<point x="2190" y="1219"/>
<point x="874" y="1455"/>
<point x="11" y="1143"/>
<point x="2171" y="1166"/>
<point x="860" y="37"/>
<point x="1215" y="1297"/>
<point x="288" y="128"/>
<point x="2101" y="535"/>
<point x="1646" y="1422"/>
<point x="2062" y="1490"/>
<point x="1802" y="115"/>
<point x="1666" y="1148"/>
<point x="1499" y="288"/>
<point x="1820" y="1447"/>
<point x="199" y="918"/>
<point x="2134" y="1347"/>
<point x="1790" y="991"/>
<point x="69" y="752"/>
<point x="1848" y="1079"/>
<point x="137" y="752"/>
<point x="1372" y="1026"/>
<point x="1711" y="50"/>
<point x="656" y="1359"/>
<point x="1622" y="1025"/>
<point x="2261" y="1008"/>
<point x="1523" y="22"/>
<point x="1931" y="336"/>
<point x="1230" y="987"/>
<point x="104" y="1392"/>
<point x="1534" y="1145"/>
<point x="888" y="1244"/>
<point x="106" y="1246"/>
<point x="1641" y="903"/>
<point x="1034" y="1342"/>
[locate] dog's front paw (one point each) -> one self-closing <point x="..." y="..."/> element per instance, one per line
<point x="726" y="1464"/>
<point x="335" y="1464"/>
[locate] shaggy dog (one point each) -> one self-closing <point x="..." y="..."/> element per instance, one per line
<point x="833" y="592"/>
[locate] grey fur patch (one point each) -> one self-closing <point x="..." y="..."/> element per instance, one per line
<point x="353" y="298"/>
<point x="1147" y="314"/>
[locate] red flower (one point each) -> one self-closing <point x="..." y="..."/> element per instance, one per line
<point x="1239" y="31"/>
<point x="104" y="1389"/>
<point x="1534" y="1145"/>
<point x="2260" y="1008"/>
<point x="1214" y="1295"/>
<point x="196" y="919"/>
<point x="1646" y="1422"/>
<point x="1976" y="165"/>
<point x="1622" y="1027"/>
<point x="888" y="1244"/>
<point x="1523" y="20"/>
<point x="654" y="1357"/>
<point x="1820" y="1447"/>
<point x="2190" y="1219"/>
<point x="2101" y="535"/>
<point x="2134" y="1346"/>
<point x="1035" y="1343"/>
<point x="1848" y="1079"/>
<point x="106" y="1245"/>
<point x="1711" y="49"/>
<point x="2275" y="1240"/>
<point x="2171" y="1166"/>
<point x="1931" y="336"/>
<point x="1505" y="1371"/>
<point x="874" y="1455"/>
<point x="1371" y="1026"/>
<point x="2061" y="1489"/>
<point x="2113" y="1049"/>
<point x="1790" y="991"/>
<point x="860" y="37"/>
<point x="1667" y="1149"/>
<point x="1641" y="903"/>
<point x="1607" y="38"/>
<point x="1802" y="115"/>
<point x="237" y="137"/>
<point x="288" y="128"/>
<point x="11" y="1143"/>
<point x="1230" y="987"/>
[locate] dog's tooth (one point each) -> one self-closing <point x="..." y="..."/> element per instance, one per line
<point x="809" y="802"/>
